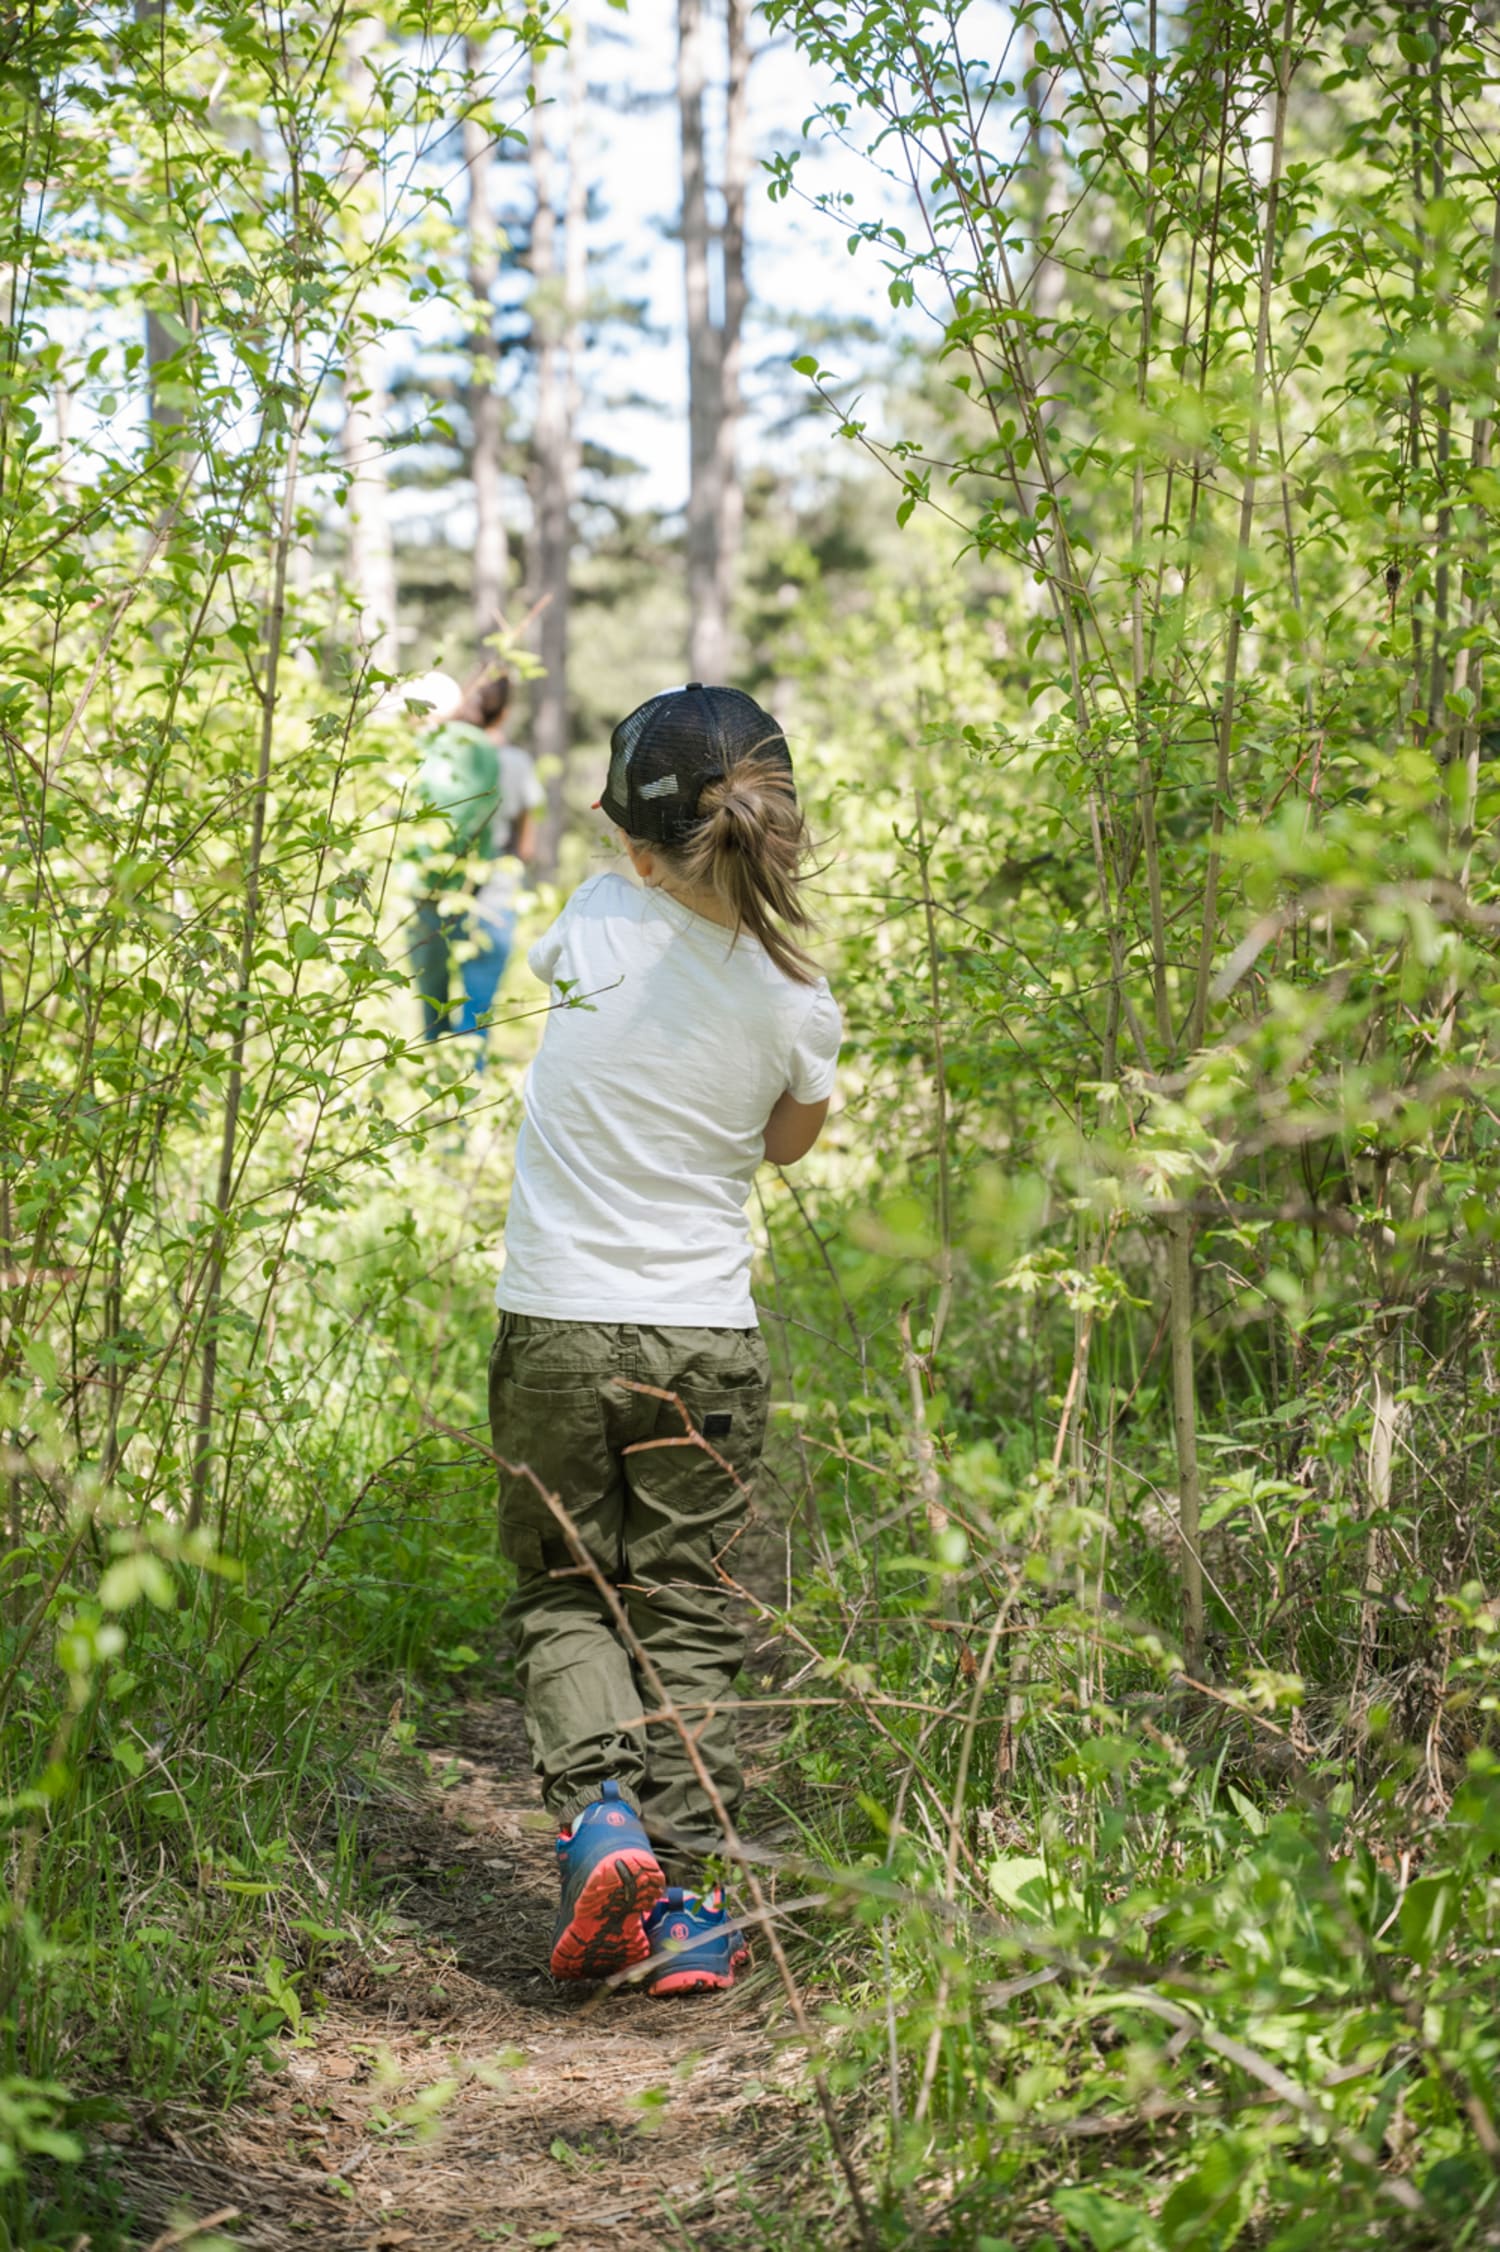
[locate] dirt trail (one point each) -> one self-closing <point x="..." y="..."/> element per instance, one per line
<point x="579" y="2120"/>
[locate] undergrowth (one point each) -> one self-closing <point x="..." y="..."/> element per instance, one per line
<point x="1136" y="1452"/>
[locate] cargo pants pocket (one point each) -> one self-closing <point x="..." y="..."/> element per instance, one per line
<point x="691" y="1484"/>
<point x="547" y="1425"/>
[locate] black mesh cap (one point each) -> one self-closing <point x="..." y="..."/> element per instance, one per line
<point x="663" y="753"/>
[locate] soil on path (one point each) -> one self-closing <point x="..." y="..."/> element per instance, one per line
<point x="449" y="2094"/>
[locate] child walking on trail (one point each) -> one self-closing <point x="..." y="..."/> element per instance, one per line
<point x="693" y="1039"/>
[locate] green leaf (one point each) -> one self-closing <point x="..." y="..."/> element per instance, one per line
<point x="40" y="1359"/>
<point x="455" y="1660"/>
<point x="128" y="1578"/>
<point x="1103" y="2222"/>
<point x="1429" y="1911"/>
<point x="1209" y="2207"/>
<point x="281" y="1990"/>
<point x="1019" y="1882"/>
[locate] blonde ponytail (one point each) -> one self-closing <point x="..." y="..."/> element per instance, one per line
<point x="748" y="847"/>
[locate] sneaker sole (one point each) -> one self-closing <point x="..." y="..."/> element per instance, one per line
<point x="689" y="1982"/>
<point x="692" y="1978"/>
<point x="606" y="1932"/>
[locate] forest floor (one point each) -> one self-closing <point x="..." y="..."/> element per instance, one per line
<point x="448" y="2094"/>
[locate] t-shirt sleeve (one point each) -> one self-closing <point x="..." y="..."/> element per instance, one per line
<point x="543" y="958"/>
<point x="815" y="1052"/>
<point x="521" y="787"/>
<point x="533" y="788"/>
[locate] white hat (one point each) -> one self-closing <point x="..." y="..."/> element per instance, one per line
<point x="432" y="695"/>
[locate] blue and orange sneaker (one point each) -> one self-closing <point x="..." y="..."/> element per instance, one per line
<point x="611" y="1879"/>
<point x="700" y="1949"/>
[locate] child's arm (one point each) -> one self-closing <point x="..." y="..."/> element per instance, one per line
<point x="793" y="1125"/>
<point x="792" y="1128"/>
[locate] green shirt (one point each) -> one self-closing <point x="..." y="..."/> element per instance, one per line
<point x="460" y="779"/>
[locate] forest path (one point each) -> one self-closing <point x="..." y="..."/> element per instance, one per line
<point x="614" y="2122"/>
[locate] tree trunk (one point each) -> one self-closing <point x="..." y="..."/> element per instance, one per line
<point x="1185" y="1428"/>
<point x="491" y="549"/>
<point x="1048" y="192"/>
<point x="161" y="346"/>
<point x="372" y="560"/>
<point x="557" y="273"/>
<point x="1385" y="1417"/>
<point x="163" y="415"/>
<point x="736" y="178"/>
<point x="575" y="240"/>
<point x="715" y="507"/>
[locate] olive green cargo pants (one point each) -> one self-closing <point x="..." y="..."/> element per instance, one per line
<point x="579" y="1404"/>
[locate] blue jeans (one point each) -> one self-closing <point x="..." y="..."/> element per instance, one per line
<point x="487" y="938"/>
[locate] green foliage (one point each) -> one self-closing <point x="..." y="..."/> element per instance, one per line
<point x="230" y="1504"/>
<point x="1155" y="1547"/>
<point x="1140" y="1403"/>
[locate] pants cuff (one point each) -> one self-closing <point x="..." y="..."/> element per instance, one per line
<point x="568" y="1808"/>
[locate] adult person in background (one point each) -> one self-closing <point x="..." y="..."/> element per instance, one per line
<point x="487" y="794"/>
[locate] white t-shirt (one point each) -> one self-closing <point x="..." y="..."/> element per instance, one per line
<point x="645" y="1111"/>
<point x="521" y="791"/>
